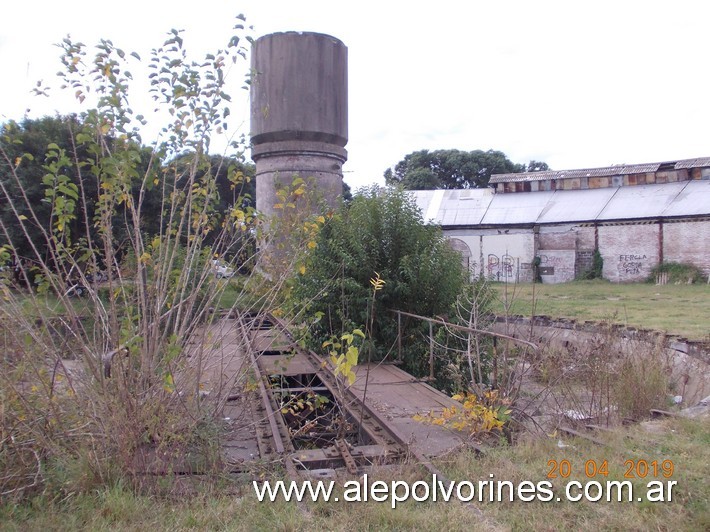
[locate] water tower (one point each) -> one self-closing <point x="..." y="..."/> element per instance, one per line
<point x="299" y="113"/>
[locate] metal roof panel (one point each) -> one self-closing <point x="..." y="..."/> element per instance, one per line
<point x="576" y="205"/>
<point x="693" y="200"/>
<point x="641" y="201"/>
<point x="693" y="163"/>
<point x="519" y="208"/>
<point x="482" y="207"/>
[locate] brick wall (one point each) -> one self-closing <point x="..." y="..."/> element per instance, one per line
<point x="585" y="238"/>
<point x="629" y="251"/>
<point x="583" y="262"/>
<point x="558" y="240"/>
<point x="557" y="266"/>
<point x="687" y="242"/>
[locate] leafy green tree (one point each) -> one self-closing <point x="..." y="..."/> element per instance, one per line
<point x="380" y="232"/>
<point x="43" y="158"/>
<point x="536" y="166"/>
<point x="25" y="145"/>
<point x="450" y="169"/>
<point x="234" y="188"/>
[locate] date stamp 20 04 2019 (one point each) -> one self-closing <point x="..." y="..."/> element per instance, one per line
<point x="633" y="469"/>
<point x="592" y="490"/>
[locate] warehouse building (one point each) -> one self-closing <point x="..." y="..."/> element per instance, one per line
<point x="636" y="216"/>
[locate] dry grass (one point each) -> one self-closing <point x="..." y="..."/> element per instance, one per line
<point x="677" y="309"/>
<point x="683" y="441"/>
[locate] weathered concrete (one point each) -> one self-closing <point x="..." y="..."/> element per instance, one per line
<point x="299" y="113"/>
<point x="688" y="362"/>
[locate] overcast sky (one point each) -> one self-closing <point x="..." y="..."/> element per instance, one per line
<point x="575" y="84"/>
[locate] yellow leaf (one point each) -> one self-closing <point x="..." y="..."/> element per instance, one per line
<point x="302" y="270"/>
<point x="168" y="383"/>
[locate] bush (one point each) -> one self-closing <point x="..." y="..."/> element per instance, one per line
<point x="641" y="383"/>
<point x="380" y="232"/>
<point x="130" y="384"/>
<point x="595" y="272"/>
<point x="678" y="273"/>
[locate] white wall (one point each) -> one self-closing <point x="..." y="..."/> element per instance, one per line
<point x="500" y="256"/>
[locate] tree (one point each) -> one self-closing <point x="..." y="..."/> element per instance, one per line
<point x="26" y="145"/>
<point x="449" y="169"/>
<point x="536" y="166"/>
<point x="381" y="232"/>
<point x="234" y="188"/>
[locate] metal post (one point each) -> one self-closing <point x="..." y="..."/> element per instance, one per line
<point x="431" y="351"/>
<point x="399" y="336"/>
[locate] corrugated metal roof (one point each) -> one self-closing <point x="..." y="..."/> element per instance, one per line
<point x="622" y="169"/>
<point x="455" y="207"/>
<point x="422" y="199"/>
<point x="482" y="207"/>
<point x="693" y="163"/>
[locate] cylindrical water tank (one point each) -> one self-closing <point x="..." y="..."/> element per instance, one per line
<point x="299" y="113"/>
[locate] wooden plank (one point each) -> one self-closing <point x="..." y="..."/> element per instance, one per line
<point x="297" y="364"/>
<point x="656" y="412"/>
<point x="578" y="434"/>
<point x="396" y="397"/>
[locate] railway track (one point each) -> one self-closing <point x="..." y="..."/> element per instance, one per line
<point x="306" y="415"/>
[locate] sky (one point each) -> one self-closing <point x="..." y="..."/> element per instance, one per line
<point x="574" y="84"/>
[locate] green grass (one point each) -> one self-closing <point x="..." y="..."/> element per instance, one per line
<point x="677" y="309"/>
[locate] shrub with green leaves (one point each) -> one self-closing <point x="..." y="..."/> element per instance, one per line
<point x="678" y="273"/>
<point x="380" y="232"/>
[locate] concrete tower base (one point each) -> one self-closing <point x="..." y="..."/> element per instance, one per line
<point x="279" y="163"/>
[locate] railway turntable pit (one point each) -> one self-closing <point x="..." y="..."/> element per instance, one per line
<point x="300" y="413"/>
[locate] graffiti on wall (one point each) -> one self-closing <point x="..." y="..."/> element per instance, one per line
<point x="501" y="268"/>
<point x="546" y="260"/>
<point x="631" y="264"/>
